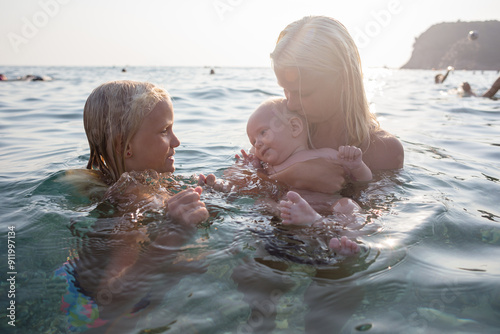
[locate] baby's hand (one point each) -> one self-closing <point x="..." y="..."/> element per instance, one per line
<point x="350" y="156"/>
<point x="186" y="207"/>
<point x="249" y="159"/>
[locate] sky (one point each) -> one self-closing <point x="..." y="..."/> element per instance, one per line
<point x="210" y="32"/>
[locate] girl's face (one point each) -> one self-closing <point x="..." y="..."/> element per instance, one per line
<point x="152" y="146"/>
<point x="315" y="96"/>
<point x="272" y="139"/>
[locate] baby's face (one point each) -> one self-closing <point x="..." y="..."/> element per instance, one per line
<point x="270" y="136"/>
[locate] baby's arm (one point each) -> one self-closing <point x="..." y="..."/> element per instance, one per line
<point x="234" y="175"/>
<point x="351" y="158"/>
<point x="250" y="159"/>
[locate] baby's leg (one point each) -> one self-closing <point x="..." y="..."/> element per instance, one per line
<point x="297" y="211"/>
<point x="344" y="246"/>
<point x="345" y="206"/>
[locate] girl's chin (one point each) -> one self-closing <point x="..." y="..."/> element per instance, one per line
<point x="170" y="169"/>
<point x="169" y="166"/>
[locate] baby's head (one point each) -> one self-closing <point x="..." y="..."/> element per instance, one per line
<point x="275" y="132"/>
<point x="113" y="113"/>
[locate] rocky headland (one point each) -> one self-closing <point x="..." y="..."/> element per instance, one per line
<point x="449" y="43"/>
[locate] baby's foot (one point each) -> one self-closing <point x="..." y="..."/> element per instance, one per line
<point x="345" y="206"/>
<point x="344" y="246"/>
<point x="296" y="211"/>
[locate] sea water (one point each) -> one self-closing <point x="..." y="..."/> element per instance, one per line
<point x="430" y="231"/>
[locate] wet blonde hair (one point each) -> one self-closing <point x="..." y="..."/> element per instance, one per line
<point x="322" y="45"/>
<point x="112" y="115"/>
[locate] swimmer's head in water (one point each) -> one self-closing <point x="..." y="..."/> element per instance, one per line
<point x="465" y="87"/>
<point x="112" y="115"/>
<point x="438" y="78"/>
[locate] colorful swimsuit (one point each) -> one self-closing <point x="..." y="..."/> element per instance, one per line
<point x="82" y="312"/>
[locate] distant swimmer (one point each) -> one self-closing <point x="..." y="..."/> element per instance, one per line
<point x="440" y="78"/>
<point x="212" y="71"/>
<point x="465" y="90"/>
<point x="29" y="77"/>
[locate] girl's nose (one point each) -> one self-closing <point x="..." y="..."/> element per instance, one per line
<point x="174" y="142"/>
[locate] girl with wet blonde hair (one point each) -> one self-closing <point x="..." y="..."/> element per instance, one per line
<point x="323" y="46"/>
<point x="129" y="127"/>
<point x="112" y="115"/>
<point x="317" y="63"/>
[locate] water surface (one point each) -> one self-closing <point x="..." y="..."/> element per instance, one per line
<point x="431" y="230"/>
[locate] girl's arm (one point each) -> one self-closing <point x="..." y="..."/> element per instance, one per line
<point x="493" y="90"/>
<point x="132" y="255"/>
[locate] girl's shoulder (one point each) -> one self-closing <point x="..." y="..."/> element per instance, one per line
<point x="87" y="182"/>
<point x="384" y="152"/>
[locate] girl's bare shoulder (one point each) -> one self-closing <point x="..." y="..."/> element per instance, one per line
<point x="87" y="182"/>
<point x="385" y="152"/>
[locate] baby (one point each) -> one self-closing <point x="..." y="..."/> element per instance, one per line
<point x="280" y="139"/>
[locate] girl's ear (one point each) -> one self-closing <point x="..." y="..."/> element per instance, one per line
<point x="128" y="152"/>
<point x="296" y="125"/>
<point x="118" y="146"/>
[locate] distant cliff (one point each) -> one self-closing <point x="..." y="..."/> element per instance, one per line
<point x="446" y="44"/>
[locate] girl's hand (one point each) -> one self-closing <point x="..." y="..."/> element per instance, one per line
<point x="211" y="181"/>
<point x="186" y="207"/>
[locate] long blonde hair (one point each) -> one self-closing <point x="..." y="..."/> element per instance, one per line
<point x="112" y="115"/>
<point x="322" y="45"/>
